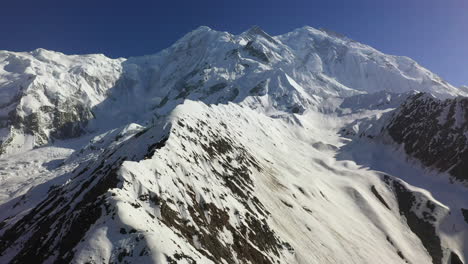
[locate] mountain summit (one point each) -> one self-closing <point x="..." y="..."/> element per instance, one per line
<point x="49" y="95"/>
<point x="307" y="147"/>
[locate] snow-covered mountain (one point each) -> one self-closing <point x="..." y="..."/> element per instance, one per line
<point x="226" y="148"/>
<point x="46" y="95"/>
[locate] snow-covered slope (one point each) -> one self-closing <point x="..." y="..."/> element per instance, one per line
<point x="222" y="148"/>
<point x="291" y="72"/>
<point x="46" y="94"/>
<point x="361" y="67"/>
<point x="211" y="185"/>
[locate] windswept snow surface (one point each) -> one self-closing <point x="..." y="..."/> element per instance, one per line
<point x="222" y="148"/>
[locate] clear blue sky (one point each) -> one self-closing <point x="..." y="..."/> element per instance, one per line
<point x="433" y="32"/>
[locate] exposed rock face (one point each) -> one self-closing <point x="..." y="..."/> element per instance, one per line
<point x="434" y="132"/>
<point x="421" y="217"/>
<point x="455" y="259"/>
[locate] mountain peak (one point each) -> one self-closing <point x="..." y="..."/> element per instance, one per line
<point x="198" y="33"/>
<point x="202" y="29"/>
<point x="44" y="52"/>
<point x="256" y="31"/>
<point x="333" y="33"/>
